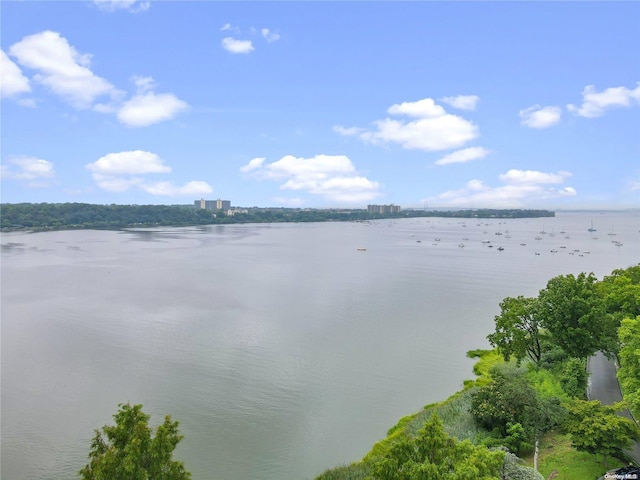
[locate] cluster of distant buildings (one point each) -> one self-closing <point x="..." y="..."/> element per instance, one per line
<point x="384" y="209"/>
<point x="213" y="204"/>
<point x="222" y="205"/>
<point x="225" y="207"/>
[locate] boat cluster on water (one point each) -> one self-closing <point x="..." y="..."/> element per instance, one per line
<point x="485" y="241"/>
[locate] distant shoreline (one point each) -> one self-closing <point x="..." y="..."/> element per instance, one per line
<point x="39" y="217"/>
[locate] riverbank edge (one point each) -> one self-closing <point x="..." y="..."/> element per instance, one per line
<point x="453" y="411"/>
<point x="31" y="217"/>
<point x="557" y="455"/>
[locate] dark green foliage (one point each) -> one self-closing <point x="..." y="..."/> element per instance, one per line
<point x="520" y="403"/>
<point x="574" y="377"/>
<point x="127" y="451"/>
<point x="513" y="411"/>
<point x="43" y="216"/>
<point x="621" y="292"/>
<point x="518" y="329"/>
<point x="574" y="314"/>
<point x="435" y="455"/>
<point x="552" y="356"/>
<point x="481" y="213"/>
<point x="598" y="429"/>
<point x="629" y="372"/>
<point x="356" y="471"/>
<point x="571" y="312"/>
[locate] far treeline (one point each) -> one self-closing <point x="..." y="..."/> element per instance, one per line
<point x="58" y="216"/>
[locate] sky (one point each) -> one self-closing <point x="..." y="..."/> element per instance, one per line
<point x="321" y="104"/>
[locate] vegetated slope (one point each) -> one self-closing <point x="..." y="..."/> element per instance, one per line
<point x="524" y="396"/>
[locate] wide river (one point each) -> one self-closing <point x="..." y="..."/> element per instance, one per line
<point x="282" y="349"/>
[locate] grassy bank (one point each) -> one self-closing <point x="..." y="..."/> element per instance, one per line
<point x="557" y="458"/>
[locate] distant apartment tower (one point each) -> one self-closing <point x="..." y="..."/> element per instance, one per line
<point x="212" y="204"/>
<point x="383" y="208"/>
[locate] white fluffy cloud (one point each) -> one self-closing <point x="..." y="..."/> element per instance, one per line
<point x="168" y="189"/>
<point x="227" y="27"/>
<point x="331" y="176"/>
<point x="270" y="36"/>
<point x="422" y="108"/>
<point x="121" y="171"/>
<point x="253" y="165"/>
<point x="463" y="156"/>
<point x="12" y="81"/>
<point x="520" y="188"/>
<point x="130" y="162"/>
<point x="347" y="131"/>
<point x="35" y="171"/>
<point x="594" y="103"/>
<point x="234" y="45"/>
<point x="533" y="177"/>
<point x="111" y="183"/>
<point x="62" y="69"/>
<point x="148" y="108"/>
<point x="540" y="117"/>
<point x="67" y="74"/>
<point x="131" y="5"/>
<point x="462" y="102"/>
<point x="434" y="129"/>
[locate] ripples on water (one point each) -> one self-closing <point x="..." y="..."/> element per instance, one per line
<point x="281" y="349"/>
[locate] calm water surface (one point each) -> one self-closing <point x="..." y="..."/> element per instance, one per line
<point x="281" y="349"/>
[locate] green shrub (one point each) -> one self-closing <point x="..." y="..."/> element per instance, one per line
<point x="574" y="377"/>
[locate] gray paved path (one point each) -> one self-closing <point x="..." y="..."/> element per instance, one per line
<point x="604" y="386"/>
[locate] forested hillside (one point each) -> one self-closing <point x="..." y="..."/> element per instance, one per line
<point x="52" y="216"/>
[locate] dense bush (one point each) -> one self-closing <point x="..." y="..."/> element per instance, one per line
<point x="513" y="410"/>
<point x="434" y="454"/>
<point x="574" y="377"/>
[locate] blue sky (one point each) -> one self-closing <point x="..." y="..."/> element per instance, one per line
<point x="322" y="104"/>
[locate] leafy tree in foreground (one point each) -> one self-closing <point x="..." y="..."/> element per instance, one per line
<point x="629" y="372"/>
<point x="127" y="451"/>
<point x="597" y="429"/>
<point x="621" y="292"/>
<point x="574" y="377"/>
<point x="434" y="455"/>
<point x="511" y="409"/>
<point x="574" y="314"/>
<point x="518" y="329"/>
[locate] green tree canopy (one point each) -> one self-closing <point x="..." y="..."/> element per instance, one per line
<point x="597" y="429"/>
<point x="518" y="329"/>
<point x="434" y="455"/>
<point x="621" y="292"/>
<point x="574" y="314"/>
<point x="629" y="372"/>
<point x="127" y="451"/>
<point x="513" y="410"/>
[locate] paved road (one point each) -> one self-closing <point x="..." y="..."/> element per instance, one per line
<point x="604" y="386"/>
